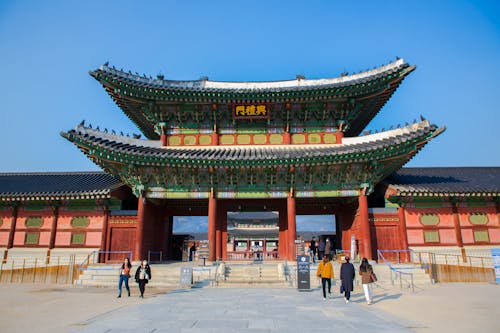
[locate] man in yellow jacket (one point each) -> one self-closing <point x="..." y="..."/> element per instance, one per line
<point x="325" y="272"/>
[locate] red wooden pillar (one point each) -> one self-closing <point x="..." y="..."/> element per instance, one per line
<point x="339" y="136"/>
<point x="286" y="135"/>
<point x="104" y="234"/>
<point x="223" y="222"/>
<point x="163" y="137"/>
<point x="212" y="219"/>
<point x="139" y="231"/>
<point x="458" y="230"/>
<point x="287" y="138"/>
<point x="53" y="227"/>
<point x="215" y="137"/>
<point x="283" y="232"/>
<point x="12" y="231"/>
<point x="292" y="230"/>
<point x="403" y="234"/>
<point x="218" y="235"/>
<point x="366" y="249"/>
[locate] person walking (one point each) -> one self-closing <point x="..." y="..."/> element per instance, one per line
<point x="321" y="248"/>
<point x="325" y="272"/>
<point x="312" y="250"/>
<point x="366" y="272"/>
<point x="142" y="276"/>
<point x="124" y="275"/>
<point x="192" y="251"/>
<point x="347" y="275"/>
<point x="328" y="247"/>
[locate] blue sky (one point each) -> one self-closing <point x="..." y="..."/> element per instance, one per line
<point x="48" y="47"/>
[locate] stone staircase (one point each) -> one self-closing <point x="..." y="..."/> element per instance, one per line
<point x="400" y="276"/>
<point x="420" y="277"/>
<point x="385" y="278"/>
<point x="254" y="274"/>
<point x="164" y="275"/>
<point x="261" y="274"/>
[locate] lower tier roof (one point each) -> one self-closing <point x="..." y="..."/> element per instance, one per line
<point x="457" y="181"/>
<point x="251" y="171"/>
<point x="57" y="186"/>
<point x="106" y="148"/>
<point x="409" y="182"/>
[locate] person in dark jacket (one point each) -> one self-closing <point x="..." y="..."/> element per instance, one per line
<point x="142" y="276"/>
<point x="347" y="274"/>
<point x="312" y="249"/>
<point x="192" y="250"/>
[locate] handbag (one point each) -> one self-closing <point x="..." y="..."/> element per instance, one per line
<point x="373" y="277"/>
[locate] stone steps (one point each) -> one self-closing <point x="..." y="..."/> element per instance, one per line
<point x="164" y="275"/>
<point x="261" y="275"/>
<point x="258" y="275"/>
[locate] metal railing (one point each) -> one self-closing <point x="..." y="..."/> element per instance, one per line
<point x="399" y="275"/>
<point x="50" y="270"/>
<point x="96" y="257"/>
<point x="252" y="255"/>
<point x="445" y="267"/>
<point x="404" y="278"/>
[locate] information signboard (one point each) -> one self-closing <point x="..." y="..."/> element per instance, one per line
<point x="203" y="250"/>
<point x="303" y="273"/>
<point x="186" y="276"/>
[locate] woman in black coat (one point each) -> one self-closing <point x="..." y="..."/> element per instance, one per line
<point x="347" y="274"/>
<point x="142" y="276"/>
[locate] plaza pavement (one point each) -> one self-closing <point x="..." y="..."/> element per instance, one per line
<point x="441" y="308"/>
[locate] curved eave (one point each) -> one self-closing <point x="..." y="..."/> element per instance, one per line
<point x="261" y="87"/>
<point x="47" y="196"/>
<point x="132" y="109"/>
<point x="441" y="194"/>
<point x="379" y="100"/>
<point x="131" y="86"/>
<point x="105" y="149"/>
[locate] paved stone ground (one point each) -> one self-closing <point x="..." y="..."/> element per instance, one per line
<point x="440" y="308"/>
<point x="242" y="310"/>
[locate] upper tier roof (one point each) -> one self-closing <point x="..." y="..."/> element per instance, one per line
<point x="268" y="86"/>
<point x="463" y="181"/>
<point x="352" y="100"/>
<point x="57" y="185"/>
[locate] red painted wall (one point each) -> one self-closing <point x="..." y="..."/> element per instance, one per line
<point x="446" y="226"/>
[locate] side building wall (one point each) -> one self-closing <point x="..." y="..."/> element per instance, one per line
<point x="41" y="230"/>
<point x="463" y="229"/>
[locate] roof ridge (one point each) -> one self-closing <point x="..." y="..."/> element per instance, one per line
<point x="450" y="167"/>
<point x="204" y="83"/>
<point x="52" y="173"/>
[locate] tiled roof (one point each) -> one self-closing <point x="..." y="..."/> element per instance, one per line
<point x="148" y="102"/>
<point x="105" y="146"/>
<point x="455" y="181"/>
<point x="60" y="185"/>
<point x="207" y="85"/>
